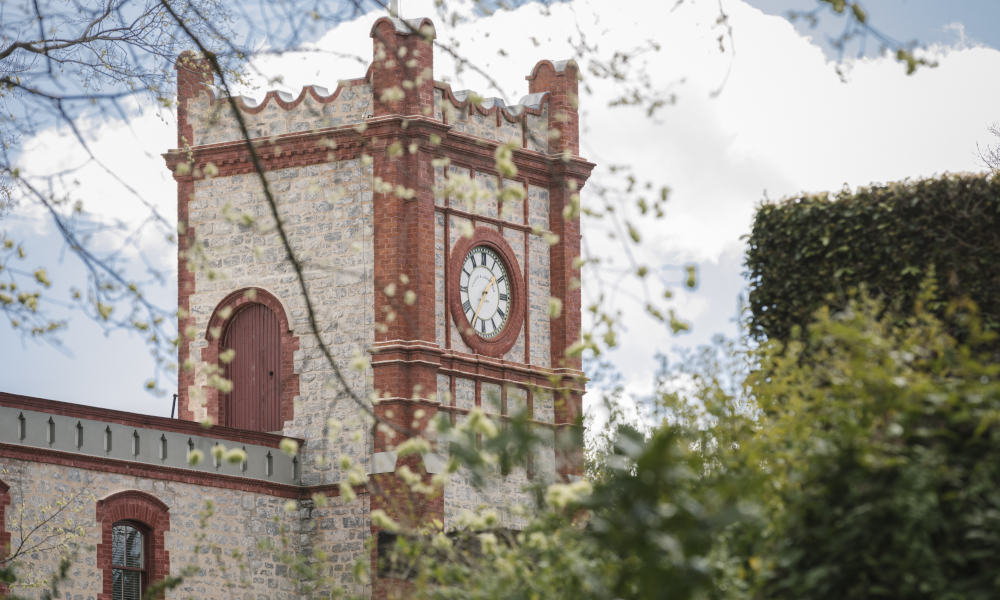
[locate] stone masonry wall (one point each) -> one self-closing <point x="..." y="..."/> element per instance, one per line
<point x="507" y="495"/>
<point x="327" y="212"/>
<point x="230" y="563"/>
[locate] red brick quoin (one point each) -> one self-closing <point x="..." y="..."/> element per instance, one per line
<point x="148" y="514"/>
<point x="4" y="534"/>
<point x="288" y="344"/>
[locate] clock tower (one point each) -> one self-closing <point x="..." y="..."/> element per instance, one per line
<point x="437" y="233"/>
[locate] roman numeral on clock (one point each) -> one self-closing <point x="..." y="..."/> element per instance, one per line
<point x="482" y="325"/>
<point x="503" y="297"/>
<point x="466" y="307"/>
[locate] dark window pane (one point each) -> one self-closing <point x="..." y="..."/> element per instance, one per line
<point x="132" y="585"/>
<point x="118" y="533"/>
<point x="126" y="551"/>
<point x="126" y="546"/>
<point x="116" y="584"/>
<point x="133" y="548"/>
<point x="126" y="585"/>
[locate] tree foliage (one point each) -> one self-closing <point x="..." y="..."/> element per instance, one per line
<point x="867" y="472"/>
<point x="880" y="458"/>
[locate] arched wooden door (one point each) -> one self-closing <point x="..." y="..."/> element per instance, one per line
<point x="253" y="402"/>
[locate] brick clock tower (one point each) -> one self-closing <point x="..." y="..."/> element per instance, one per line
<point x="418" y="254"/>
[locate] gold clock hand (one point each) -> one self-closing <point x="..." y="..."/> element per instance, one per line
<point x="482" y="298"/>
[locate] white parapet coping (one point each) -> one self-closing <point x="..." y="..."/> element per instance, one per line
<point x="385" y="462"/>
<point x="142" y="445"/>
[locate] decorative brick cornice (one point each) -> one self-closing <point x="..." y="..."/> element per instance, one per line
<point x="346" y="143"/>
<point x="494" y="370"/>
<point x="278" y="152"/>
<point x="475" y="366"/>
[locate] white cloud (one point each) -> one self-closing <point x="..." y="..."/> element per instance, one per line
<point x="121" y="185"/>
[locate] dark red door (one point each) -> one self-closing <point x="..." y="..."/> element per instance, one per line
<point x="253" y="402"/>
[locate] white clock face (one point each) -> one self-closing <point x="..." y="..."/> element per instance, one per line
<point x="484" y="290"/>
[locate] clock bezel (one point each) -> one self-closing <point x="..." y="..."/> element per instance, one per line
<point x="499" y="344"/>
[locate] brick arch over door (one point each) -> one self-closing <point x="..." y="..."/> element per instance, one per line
<point x="264" y="380"/>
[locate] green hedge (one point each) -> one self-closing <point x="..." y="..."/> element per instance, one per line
<point x="813" y="250"/>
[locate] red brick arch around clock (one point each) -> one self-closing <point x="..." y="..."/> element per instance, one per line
<point x="226" y="313"/>
<point x="485" y="236"/>
<point x="148" y="514"/>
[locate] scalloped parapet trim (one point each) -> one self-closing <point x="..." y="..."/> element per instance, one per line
<point x="284" y="99"/>
<point x="278" y="112"/>
<point x="524" y="124"/>
<point x="462" y="99"/>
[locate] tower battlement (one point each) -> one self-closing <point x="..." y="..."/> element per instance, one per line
<point x="544" y="120"/>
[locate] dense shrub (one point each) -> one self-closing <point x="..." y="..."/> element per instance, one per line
<point x="812" y="250"/>
<point x="881" y="456"/>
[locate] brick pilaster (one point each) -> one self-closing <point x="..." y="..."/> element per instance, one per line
<point x="560" y="80"/>
<point x="406" y="355"/>
<point x="569" y="174"/>
<point x="193" y="74"/>
<point x="402" y="70"/>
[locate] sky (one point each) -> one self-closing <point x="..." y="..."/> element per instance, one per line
<point x="768" y="117"/>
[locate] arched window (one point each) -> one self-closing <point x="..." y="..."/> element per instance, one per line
<point x="128" y="561"/>
<point x="252" y="323"/>
<point x="132" y="553"/>
<point x="255" y="371"/>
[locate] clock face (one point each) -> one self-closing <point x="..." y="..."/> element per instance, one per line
<point x="484" y="289"/>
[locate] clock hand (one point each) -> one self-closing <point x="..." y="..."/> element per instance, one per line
<point x="482" y="298"/>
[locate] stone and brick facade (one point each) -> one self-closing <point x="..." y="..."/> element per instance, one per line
<point x="379" y="187"/>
